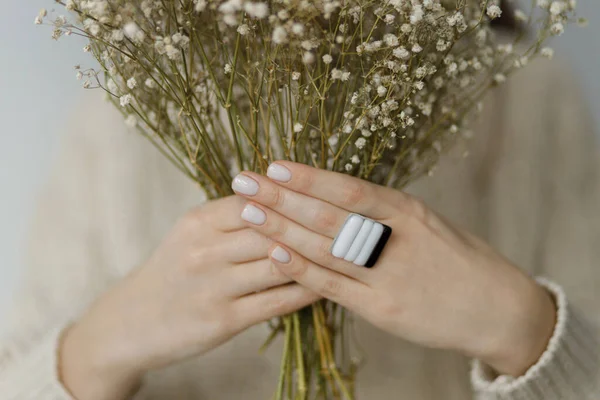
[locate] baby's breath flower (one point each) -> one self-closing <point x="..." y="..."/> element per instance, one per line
<point x="298" y="29"/>
<point x="131" y="121"/>
<point x="557" y="7"/>
<point x="243" y="29"/>
<point x="131" y="83"/>
<point x="298" y="127"/>
<point x="117" y="35"/>
<point x="200" y="5"/>
<point x="391" y="40"/>
<point x="547" y="52"/>
<point x="327" y="59"/>
<point x="133" y="32"/>
<point x="520" y="16"/>
<point x="39" y="19"/>
<point x="355" y="159"/>
<point x="336" y="74"/>
<point x="493" y="11"/>
<point x="295" y="75"/>
<point x="150" y="83"/>
<point x="557" y="29"/>
<point x="499" y="78"/>
<point x="279" y="35"/>
<point x="417" y="14"/>
<point x="227" y="69"/>
<point x="126" y="100"/>
<point x="257" y="10"/>
<point x="360" y="143"/>
<point x="308" y="57"/>
<point x="401" y="53"/>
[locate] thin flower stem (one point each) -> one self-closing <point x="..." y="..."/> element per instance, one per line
<point x="284" y="358"/>
<point x="299" y="358"/>
<point x="228" y="105"/>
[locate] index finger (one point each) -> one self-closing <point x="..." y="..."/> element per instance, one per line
<point x="347" y="192"/>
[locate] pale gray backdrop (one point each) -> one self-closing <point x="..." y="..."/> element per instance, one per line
<point x="38" y="91"/>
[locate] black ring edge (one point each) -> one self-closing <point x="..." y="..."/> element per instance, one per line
<point x="387" y="232"/>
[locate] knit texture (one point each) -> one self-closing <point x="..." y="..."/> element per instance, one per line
<point x="33" y="374"/>
<point x="530" y="187"/>
<point x="568" y="369"/>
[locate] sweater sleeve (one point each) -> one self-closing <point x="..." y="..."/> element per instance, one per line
<point x="552" y="182"/>
<point x="66" y="264"/>
<point x="32" y="374"/>
<point x="568" y="369"/>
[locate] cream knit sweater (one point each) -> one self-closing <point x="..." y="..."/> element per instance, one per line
<point x="531" y="187"/>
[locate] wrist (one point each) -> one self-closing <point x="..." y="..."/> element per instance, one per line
<point x="86" y="371"/>
<point x="525" y="329"/>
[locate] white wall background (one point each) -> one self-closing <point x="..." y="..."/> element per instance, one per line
<point x="38" y="90"/>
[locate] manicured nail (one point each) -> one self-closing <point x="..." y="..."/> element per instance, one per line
<point x="279" y="173"/>
<point x="245" y="185"/>
<point x="281" y="255"/>
<point x="254" y="215"/>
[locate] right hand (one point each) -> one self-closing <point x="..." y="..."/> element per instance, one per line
<point x="209" y="280"/>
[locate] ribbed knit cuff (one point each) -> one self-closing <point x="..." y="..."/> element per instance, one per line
<point x="568" y="369"/>
<point x="34" y="376"/>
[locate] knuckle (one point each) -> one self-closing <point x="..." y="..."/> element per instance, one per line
<point x="323" y="251"/>
<point x="307" y="181"/>
<point x="275" y="274"/>
<point x="353" y="194"/>
<point x="388" y="309"/>
<point x="332" y="288"/>
<point x="278" y="229"/>
<point x="276" y="198"/>
<point x="325" y="220"/>
<point x="297" y="269"/>
<point x="276" y="305"/>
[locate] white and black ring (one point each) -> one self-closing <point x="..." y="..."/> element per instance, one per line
<point x="360" y="240"/>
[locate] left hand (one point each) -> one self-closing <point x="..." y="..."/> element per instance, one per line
<point x="434" y="284"/>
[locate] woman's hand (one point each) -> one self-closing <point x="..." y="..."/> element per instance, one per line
<point x="433" y="284"/>
<point x="210" y="279"/>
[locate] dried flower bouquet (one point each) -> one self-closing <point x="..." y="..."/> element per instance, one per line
<point x="375" y="89"/>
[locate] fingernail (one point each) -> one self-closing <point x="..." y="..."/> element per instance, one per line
<point x="244" y="185"/>
<point x="254" y="215"/>
<point x="279" y="173"/>
<point x="281" y="255"/>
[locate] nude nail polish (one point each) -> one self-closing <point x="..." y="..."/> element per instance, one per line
<point x="279" y="173"/>
<point x="254" y="215"/>
<point x="244" y="185"/>
<point x="281" y="255"/>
